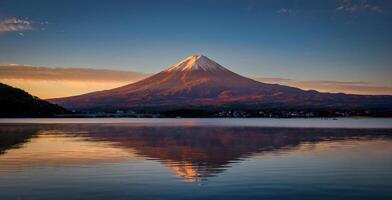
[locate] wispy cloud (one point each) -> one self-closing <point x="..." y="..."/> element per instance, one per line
<point x="49" y="82"/>
<point x="285" y="11"/>
<point x="19" y="25"/>
<point x="357" y="6"/>
<point x="16" y="71"/>
<point x="15" y="24"/>
<point x="353" y="87"/>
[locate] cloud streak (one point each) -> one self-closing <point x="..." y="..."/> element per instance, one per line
<point x="15" y="71"/>
<point x="285" y="11"/>
<point x="358" y="6"/>
<point x="15" y="24"/>
<point x="352" y="87"/>
<point x="49" y="82"/>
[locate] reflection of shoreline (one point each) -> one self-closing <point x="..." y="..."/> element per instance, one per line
<point x="13" y="137"/>
<point x="50" y="149"/>
<point x="193" y="154"/>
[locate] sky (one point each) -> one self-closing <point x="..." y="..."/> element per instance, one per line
<point x="328" y="45"/>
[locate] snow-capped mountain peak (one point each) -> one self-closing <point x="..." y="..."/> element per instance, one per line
<point x="196" y="62"/>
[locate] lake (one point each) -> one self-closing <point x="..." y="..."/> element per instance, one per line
<point x="122" y="158"/>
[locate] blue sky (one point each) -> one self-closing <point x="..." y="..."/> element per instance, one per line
<point x="340" y="40"/>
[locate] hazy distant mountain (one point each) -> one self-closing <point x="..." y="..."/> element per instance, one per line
<point x="199" y="82"/>
<point x="15" y="102"/>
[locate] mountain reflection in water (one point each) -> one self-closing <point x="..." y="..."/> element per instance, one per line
<point x="192" y="153"/>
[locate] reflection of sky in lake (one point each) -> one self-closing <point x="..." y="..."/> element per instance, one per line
<point x="125" y="161"/>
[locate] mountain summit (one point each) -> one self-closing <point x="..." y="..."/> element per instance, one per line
<point x="196" y="62"/>
<point x="199" y="82"/>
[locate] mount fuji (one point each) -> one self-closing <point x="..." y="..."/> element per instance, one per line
<point x="199" y="82"/>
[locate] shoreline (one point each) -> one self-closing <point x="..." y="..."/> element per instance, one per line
<point x="354" y="123"/>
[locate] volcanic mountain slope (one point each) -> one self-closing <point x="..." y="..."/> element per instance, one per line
<point x="199" y="82"/>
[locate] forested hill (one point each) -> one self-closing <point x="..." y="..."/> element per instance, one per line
<point x="15" y="102"/>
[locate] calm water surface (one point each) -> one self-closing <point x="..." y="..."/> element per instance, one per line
<point x="195" y="159"/>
